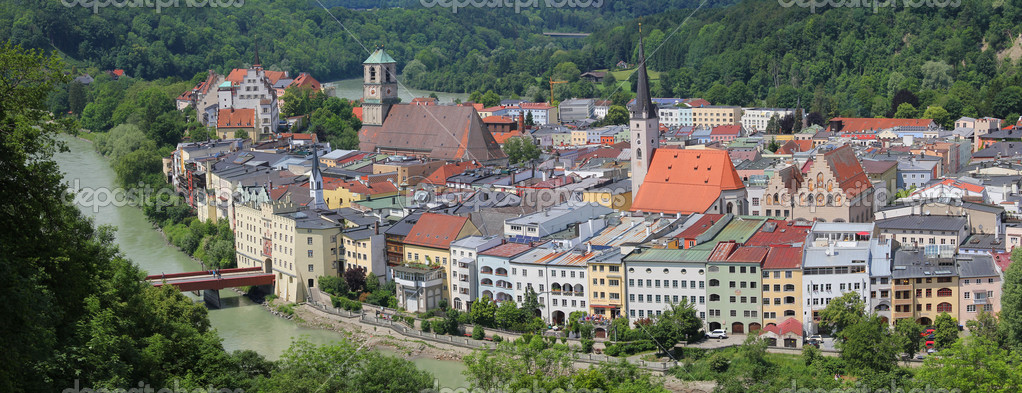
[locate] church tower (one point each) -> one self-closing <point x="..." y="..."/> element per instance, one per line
<point x="644" y="124"/>
<point x="316" y="182"/>
<point x="379" y="87"/>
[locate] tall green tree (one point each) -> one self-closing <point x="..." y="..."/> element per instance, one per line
<point x="945" y="330"/>
<point x="520" y="149"/>
<point x="843" y="311"/>
<point x="908" y="332"/>
<point x="1011" y="302"/>
<point x="868" y="346"/>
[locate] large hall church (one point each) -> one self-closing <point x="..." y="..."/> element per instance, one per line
<point x="443" y="132"/>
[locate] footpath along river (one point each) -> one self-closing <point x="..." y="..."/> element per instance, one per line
<point x="241" y="323"/>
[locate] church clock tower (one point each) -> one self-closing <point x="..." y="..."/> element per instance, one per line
<point x="379" y="87"/>
<point x="644" y="124"/>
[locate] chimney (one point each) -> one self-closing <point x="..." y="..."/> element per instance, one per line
<point x="376" y="227"/>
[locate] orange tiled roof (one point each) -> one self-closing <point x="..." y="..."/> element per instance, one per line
<point x="781" y="232"/>
<point x="847" y="170"/>
<point x="497" y="119"/>
<point x="441" y="174"/>
<point x="783" y="258"/>
<point x="235" y="118"/>
<point x="435" y="230"/>
<point x="357" y="111"/>
<point x="698" y="175"/>
<point x="304" y="80"/>
<point x="790" y="325"/>
<point x="697" y="228"/>
<point x="955" y="183"/>
<point x="356" y="187"/>
<point x="502" y="137"/>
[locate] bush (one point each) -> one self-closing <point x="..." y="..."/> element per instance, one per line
<point x="410" y="321"/>
<point x="478" y="333"/>
<point x="346" y="304"/>
<point x="587" y="345"/>
<point x="333" y="285"/>
<point x="629" y="348"/>
<point x="425" y="325"/>
<point x="497" y="338"/>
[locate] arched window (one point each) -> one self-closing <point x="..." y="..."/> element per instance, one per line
<point x="789" y="287"/>
<point x="730" y="207"/>
<point x="777" y="199"/>
<point x="578" y="288"/>
<point x="819" y="180"/>
<point x="830" y="200"/>
<point x="819" y="199"/>
<point x="789" y="313"/>
<point x="944" y="307"/>
<point x="714" y="298"/>
<point x="638" y="154"/>
<point x="714" y="269"/>
<point x="944" y="292"/>
<point x="372" y="74"/>
<point x="555" y="287"/>
<point x="714" y="283"/>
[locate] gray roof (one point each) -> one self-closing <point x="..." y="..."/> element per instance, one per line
<point x="983" y="242"/>
<point x="401" y="228"/>
<point x="842" y="256"/>
<point x="981" y="265"/>
<point x="933" y="223"/>
<point x="912" y="263"/>
<point x="472" y="242"/>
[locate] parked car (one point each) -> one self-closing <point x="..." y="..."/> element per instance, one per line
<point x="927" y="332"/>
<point x="718" y="334"/>
<point x="920" y="356"/>
<point x="816" y="339"/>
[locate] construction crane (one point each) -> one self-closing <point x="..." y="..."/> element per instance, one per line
<point x="552" y="83"/>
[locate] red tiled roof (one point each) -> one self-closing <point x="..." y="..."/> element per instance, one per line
<point x="357" y="111"/>
<point x="238" y="74"/>
<point x="507" y="250"/>
<point x="298" y="136"/>
<point x="782" y="233"/>
<point x="955" y="183"/>
<point x="118" y="72"/>
<point x="723" y="251"/>
<point x="748" y="255"/>
<point x="696" y="229"/>
<point x="790" y="325"/>
<point x="699" y="175"/>
<point x="535" y="105"/>
<point x="1003" y="260"/>
<point x="793" y="146"/>
<point x="235" y="118"/>
<point x="697" y="102"/>
<point x="497" y="119"/>
<point x="435" y="230"/>
<point x="186" y="96"/>
<point x="852" y="124"/>
<point x="502" y="137"/>
<point x="492" y="109"/>
<point x="875" y="166"/>
<point x="305" y="80"/>
<point x="726" y="130"/>
<point x="381" y="187"/>
<point x="441" y="174"/>
<point x="783" y="258"/>
<point x="847" y="171"/>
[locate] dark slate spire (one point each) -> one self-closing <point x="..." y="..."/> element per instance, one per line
<point x="644" y="108"/>
<point x="257" y="63"/>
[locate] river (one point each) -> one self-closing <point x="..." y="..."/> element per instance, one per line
<point x="241" y="323"/>
<point x="352" y="90"/>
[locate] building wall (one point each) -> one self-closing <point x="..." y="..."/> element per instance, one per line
<point x="642" y="278"/>
<point x="918" y="298"/>
<point x="970" y="306"/>
<point x="921" y="237"/>
<point x="738" y="307"/>
<point x="495" y="270"/>
<point x="436" y="256"/>
<point x="782" y="295"/>
<point x="542" y="278"/>
<point x="365" y="253"/>
<point x="712" y="116"/>
<point x="607" y="288"/>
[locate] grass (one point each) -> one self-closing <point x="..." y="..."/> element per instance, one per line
<point x="90" y="136"/>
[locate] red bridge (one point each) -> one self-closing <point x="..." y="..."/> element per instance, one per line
<point x="207" y="280"/>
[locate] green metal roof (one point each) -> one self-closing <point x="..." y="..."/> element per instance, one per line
<point x="397" y="201"/>
<point x="669" y="255"/>
<point x="379" y="57"/>
<point x="738" y="230"/>
<point x="225" y="84"/>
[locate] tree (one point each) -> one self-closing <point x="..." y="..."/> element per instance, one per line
<point x="609" y="81"/>
<point x="786" y="124"/>
<point x="1011" y="302"/>
<point x="773" y="145"/>
<point x="241" y="134"/>
<point x="867" y="345"/>
<point x="773" y="125"/>
<point x="616" y="114"/>
<point x="566" y="71"/>
<point x="482" y="312"/>
<point x="815" y="118"/>
<point x="843" y="311"/>
<point x="906" y="111"/>
<point x="478" y="333"/>
<point x="937" y="75"/>
<point x="1007" y="102"/>
<point x="986" y="325"/>
<point x="520" y="149"/>
<point x="939" y="115"/>
<point x="341" y="367"/>
<point x="333" y="285"/>
<point x="973" y="364"/>
<point x="796" y="125"/>
<point x="903" y="96"/>
<point x="945" y="330"/>
<point x="490" y="99"/>
<point x="529" y="121"/>
<point x="355" y="277"/>
<point x="531" y="304"/>
<point x="679" y="322"/>
<point x="507" y="315"/>
<point x="908" y="332"/>
<point x="76" y="97"/>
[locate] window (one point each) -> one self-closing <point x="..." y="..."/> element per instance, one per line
<point x="714" y="297"/>
<point x="312" y="268"/>
<point x="944" y="307"/>
<point x="310" y="253"/>
<point x="631" y="282"/>
<point x="943" y="292"/>
<point x="309" y="240"/>
<point x="732" y="299"/>
<point x="714" y="283"/>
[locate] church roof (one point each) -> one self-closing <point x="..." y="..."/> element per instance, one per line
<point x="644" y="107"/>
<point x="438" y="131"/>
<point x="686" y="181"/>
<point x="379" y="57"/>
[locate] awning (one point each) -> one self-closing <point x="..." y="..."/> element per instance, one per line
<point x="603" y="306"/>
<point x="863" y="233"/>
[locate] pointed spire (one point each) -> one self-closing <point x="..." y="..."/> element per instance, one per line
<point x="316" y="181"/>
<point x="644" y="107"/>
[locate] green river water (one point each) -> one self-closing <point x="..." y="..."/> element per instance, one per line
<point x="241" y="323"/>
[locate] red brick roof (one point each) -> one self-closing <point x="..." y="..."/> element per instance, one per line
<point x="726" y="130"/>
<point x="847" y="170"/>
<point x="502" y="137"/>
<point x="793" y="146"/>
<point x="699" y="227"/>
<point x="723" y="251"/>
<point x="497" y="119"/>
<point x="507" y="250"/>
<point x="783" y="258"/>
<point x="435" y="230"/>
<point x="852" y="124"/>
<point x="790" y="325"/>
<point x="780" y="232"/>
<point x="748" y="255"/>
<point x="305" y="80"/>
<point x="697" y="102"/>
<point x="699" y="175"/>
<point x="357" y="111"/>
<point x="235" y="118"/>
<point x="440" y="175"/>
